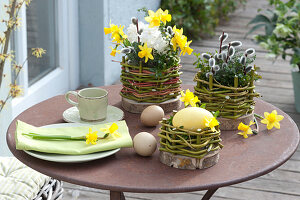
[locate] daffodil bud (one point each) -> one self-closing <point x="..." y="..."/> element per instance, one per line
<point x="250" y="52"/>
<point x="125" y="50"/>
<point x="206" y="56"/>
<point x="231" y="51"/>
<point x="223" y="37"/>
<point x="216" y="68"/>
<point x="134" y="20"/>
<point x="236" y="43"/>
<point x="224" y="47"/>
<point x="211" y="62"/>
<point x="243" y="60"/>
<point x="248" y="69"/>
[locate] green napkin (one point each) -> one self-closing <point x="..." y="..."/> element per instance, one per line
<point x="70" y="146"/>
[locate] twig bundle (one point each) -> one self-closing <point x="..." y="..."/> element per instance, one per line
<point x="143" y="85"/>
<point x="195" y="144"/>
<point x="231" y="102"/>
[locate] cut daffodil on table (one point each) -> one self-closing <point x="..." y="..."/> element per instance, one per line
<point x="246" y="130"/>
<point x="272" y="120"/>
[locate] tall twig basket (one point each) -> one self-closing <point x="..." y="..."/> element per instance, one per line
<point x="235" y="104"/>
<point x="142" y="87"/>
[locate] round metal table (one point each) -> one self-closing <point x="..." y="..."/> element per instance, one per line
<point x="240" y="159"/>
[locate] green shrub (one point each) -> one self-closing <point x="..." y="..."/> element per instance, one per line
<point x="199" y="17"/>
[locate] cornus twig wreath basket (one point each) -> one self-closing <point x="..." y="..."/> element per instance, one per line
<point x="225" y="83"/>
<point x="151" y="62"/>
<point x="185" y="147"/>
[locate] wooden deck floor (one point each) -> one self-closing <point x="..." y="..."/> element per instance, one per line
<point x="275" y="87"/>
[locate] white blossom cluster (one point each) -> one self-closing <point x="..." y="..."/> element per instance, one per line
<point x="151" y="36"/>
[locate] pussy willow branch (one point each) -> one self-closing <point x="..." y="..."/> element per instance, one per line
<point x="7" y="37"/>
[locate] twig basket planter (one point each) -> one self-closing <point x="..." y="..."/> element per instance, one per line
<point x="185" y="149"/>
<point x="235" y="104"/>
<point x="141" y="88"/>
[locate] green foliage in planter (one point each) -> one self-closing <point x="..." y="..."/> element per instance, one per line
<point x="282" y="28"/>
<point x="226" y="65"/>
<point x="199" y="17"/>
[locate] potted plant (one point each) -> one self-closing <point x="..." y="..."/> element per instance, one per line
<point x="225" y="82"/>
<point x="151" y="63"/>
<point x="281" y="37"/>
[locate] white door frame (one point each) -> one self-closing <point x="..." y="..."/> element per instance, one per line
<point x="66" y="76"/>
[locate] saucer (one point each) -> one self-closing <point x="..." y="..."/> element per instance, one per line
<point x="113" y="114"/>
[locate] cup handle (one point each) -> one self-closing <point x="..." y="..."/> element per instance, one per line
<point x="68" y="98"/>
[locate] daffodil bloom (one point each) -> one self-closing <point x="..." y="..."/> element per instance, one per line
<point x="178" y="39"/>
<point x="117" y="33"/>
<point x="15" y="90"/>
<point x="188" y="98"/>
<point x="211" y="123"/>
<point x="91" y="137"/>
<point x="38" y="52"/>
<point x="164" y="15"/>
<point x="272" y="119"/>
<point x="114" y="51"/>
<point x="145" y="52"/>
<point x="153" y="18"/>
<point x="246" y="129"/>
<point x="112" y="130"/>
<point x="187" y="49"/>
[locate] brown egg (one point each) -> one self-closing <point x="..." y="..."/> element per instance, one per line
<point x="152" y="115"/>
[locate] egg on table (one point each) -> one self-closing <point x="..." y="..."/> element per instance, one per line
<point x="152" y="115"/>
<point x="144" y="144"/>
<point x="191" y="118"/>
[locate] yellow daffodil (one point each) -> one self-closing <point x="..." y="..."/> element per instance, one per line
<point x="178" y="39"/>
<point x="15" y="90"/>
<point x="114" y="51"/>
<point x="38" y="52"/>
<point x="2" y="57"/>
<point x="211" y="123"/>
<point x="153" y="18"/>
<point x="187" y="49"/>
<point x="117" y="33"/>
<point x="246" y="129"/>
<point x="91" y="137"/>
<point x="164" y="15"/>
<point x="272" y="120"/>
<point x="188" y="98"/>
<point x="145" y="52"/>
<point x="112" y="130"/>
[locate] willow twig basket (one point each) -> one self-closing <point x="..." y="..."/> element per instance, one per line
<point x="235" y="104"/>
<point x="184" y="149"/>
<point x="141" y="88"/>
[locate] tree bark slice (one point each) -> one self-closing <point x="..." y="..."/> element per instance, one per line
<point x="232" y="124"/>
<point x="184" y="162"/>
<point x="138" y="107"/>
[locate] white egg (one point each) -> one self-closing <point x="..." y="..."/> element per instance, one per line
<point x="144" y="144"/>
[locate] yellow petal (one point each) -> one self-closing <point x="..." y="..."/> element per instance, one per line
<point x="113" y="128"/>
<point x="277" y="125"/>
<point x="266" y="114"/>
<point x="264" y="121"/>
<point x="275" y="112"/>
<point x="279" y="117"/>
<point x="270" y="126"/>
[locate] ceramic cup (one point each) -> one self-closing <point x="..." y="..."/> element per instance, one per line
<point x="91" y="102"/>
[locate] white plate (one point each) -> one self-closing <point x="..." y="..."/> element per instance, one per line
<point x="70" y="158"/>
<point x="113" y="114"/>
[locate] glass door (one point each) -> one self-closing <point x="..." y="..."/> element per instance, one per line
<point x="47" y="24"/>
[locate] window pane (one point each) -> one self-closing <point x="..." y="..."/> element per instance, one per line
<point x="40" y="17"/>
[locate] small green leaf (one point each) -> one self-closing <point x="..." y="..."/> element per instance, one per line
<point x="260" y="18"/>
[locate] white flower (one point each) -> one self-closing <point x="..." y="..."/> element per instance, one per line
<point x="154" y="39"/>
<point x="282" y="31"/>
<point x="132" y="32"/>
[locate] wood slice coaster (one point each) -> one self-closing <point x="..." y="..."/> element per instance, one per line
<point x="232" y="124"/>
<point x="184" y="162"/>
<point x="138" y="107"/>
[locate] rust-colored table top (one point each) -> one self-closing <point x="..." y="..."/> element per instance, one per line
<point x="240" y="159"/>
